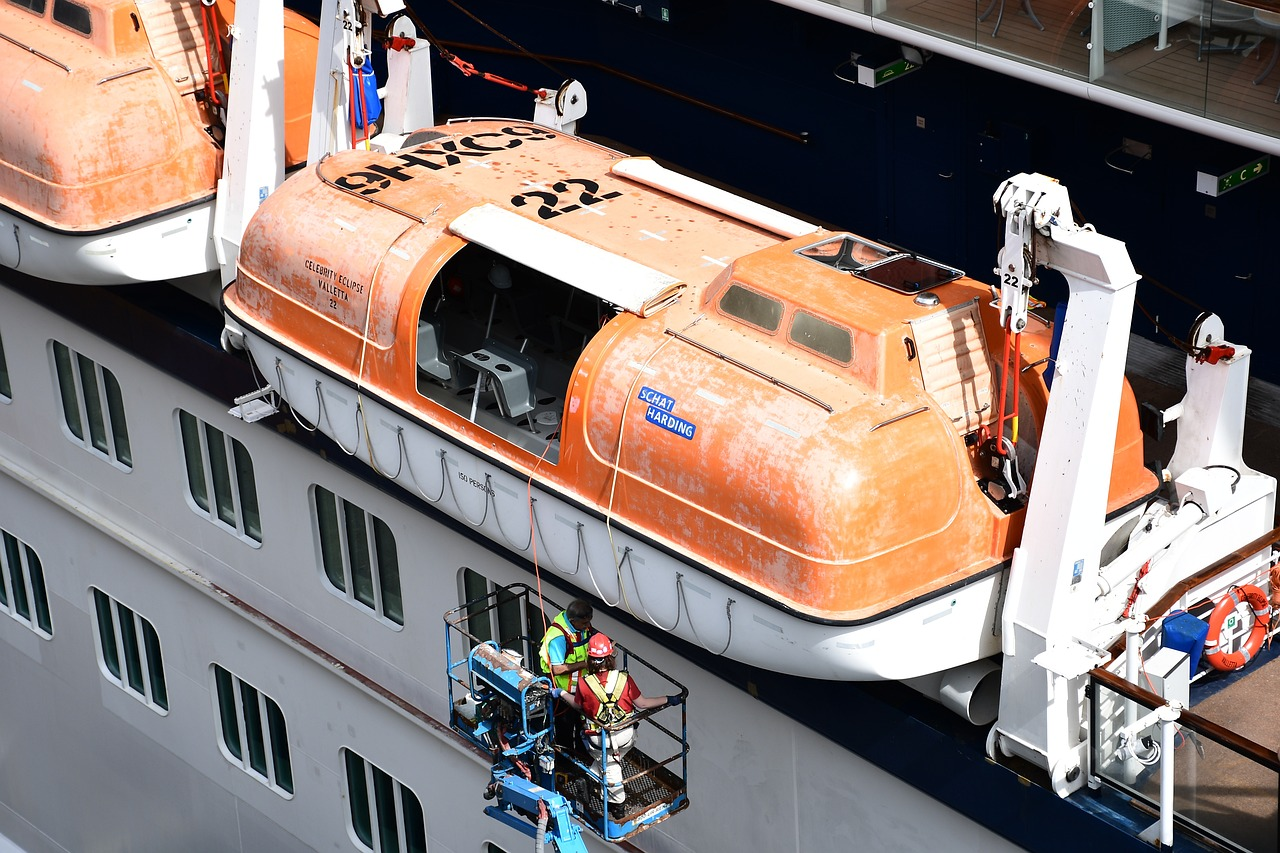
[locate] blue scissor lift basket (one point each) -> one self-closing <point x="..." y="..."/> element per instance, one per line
<point x="501" y="702"/>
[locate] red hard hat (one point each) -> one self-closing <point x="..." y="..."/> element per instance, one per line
<point x="599" y="646"/>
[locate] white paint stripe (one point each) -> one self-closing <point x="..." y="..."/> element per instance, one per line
<point x="785" y="430"/>
<point x="707" y="395"/>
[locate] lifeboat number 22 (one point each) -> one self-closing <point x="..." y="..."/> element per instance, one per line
<point x="550" y="201"/>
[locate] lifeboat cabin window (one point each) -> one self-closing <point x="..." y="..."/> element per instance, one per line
<point x="846" y="252"/>
<point x="896" y="270"/>
<point x="497" y="343"/>
<point x="826" y="339"/>
<point x="72" y="15"/>
<point x="36" y="6"/>
<point x="751" y="307"/>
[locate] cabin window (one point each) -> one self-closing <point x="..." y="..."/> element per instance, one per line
<point x="359" y="556"/>
<point x="386" y="816"/>
<point x="36" y="6"/>
<point x="22" y="591"/>
<point x="751" y="307"/>
<point x="92" y="406"/>
<point x="826" y="339"/>
<point x="6" y="391"/>
<point x="73" y="16"/>
<point x="496" y="613"/>
<point x="845" y="253"/>
<point x="129" y="652"/>
<point x="220" y="479"/>
<point x="252" y="730"/>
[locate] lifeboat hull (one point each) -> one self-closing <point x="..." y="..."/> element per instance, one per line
<point x="623" y="567"/>
<point x="173" y="245"/>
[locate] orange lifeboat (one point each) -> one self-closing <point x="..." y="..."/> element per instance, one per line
<point x="760" y="437"/>
<point x="111" y="152"/>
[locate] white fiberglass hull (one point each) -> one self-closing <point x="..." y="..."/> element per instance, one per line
<point x="177" y="244"/>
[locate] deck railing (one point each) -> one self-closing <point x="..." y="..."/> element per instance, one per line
<point x="1193" y="772"/>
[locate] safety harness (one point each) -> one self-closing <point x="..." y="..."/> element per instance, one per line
<point x="609" y="713"/>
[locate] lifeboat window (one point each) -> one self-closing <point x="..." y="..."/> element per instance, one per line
<point x="36" y="6"/>
<point x="824" y="338"/>
<point x="846" y="252"/>
<point x="72" y="15"/>
<point x="751" y="307"/>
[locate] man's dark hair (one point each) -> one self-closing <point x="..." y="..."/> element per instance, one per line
<point x="579" y="611"/>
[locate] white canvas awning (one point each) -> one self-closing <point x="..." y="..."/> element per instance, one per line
<point x="630" y="285"/>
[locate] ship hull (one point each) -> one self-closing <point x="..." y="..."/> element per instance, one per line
<point x="759" y="778"/>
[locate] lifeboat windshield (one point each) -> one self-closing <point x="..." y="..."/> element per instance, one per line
<point x="900" y="271"/>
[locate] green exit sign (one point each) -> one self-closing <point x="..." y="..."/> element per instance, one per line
<point x="878" y="75"/>
<point x="1216" y="185"/>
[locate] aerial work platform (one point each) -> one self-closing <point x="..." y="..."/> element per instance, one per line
<point x="501" y="701"/>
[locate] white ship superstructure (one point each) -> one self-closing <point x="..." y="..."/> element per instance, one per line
<point x="92" y="763"/>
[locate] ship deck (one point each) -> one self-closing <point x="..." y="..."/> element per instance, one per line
<point x="1221" y="790"/>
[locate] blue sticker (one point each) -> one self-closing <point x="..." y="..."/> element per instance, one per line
<point x="656" y="398"/>
<point x="669" y="422"/>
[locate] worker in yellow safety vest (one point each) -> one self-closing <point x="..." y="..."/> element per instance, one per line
<point x="564" y="656"/>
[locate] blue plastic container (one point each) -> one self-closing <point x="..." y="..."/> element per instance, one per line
<point x="1186" y="633"/>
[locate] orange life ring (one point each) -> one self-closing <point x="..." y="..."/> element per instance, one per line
<point x="1228" y="662"/>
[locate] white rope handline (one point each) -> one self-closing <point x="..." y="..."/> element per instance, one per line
<point x="728" y="613"/>
<point x="497" y="516"/>
<point x="537" y="524"/>
<point x="401" y="451"/>
<point x="626" y="557"/>
<point x="414" y="477"/>
<point x="617" y="458"/>
<point x="333" y="434"/>
<point x="293" y="410"/>
<point x="462" y="513"/>
<point x="362" y="420"/>
<point x="594" y="585"/>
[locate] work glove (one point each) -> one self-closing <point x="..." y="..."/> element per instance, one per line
<point x="672" y="701"/>
<point x="555" y="692"/>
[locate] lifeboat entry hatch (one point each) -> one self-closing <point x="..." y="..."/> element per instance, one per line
<point x="501" y="701"/>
